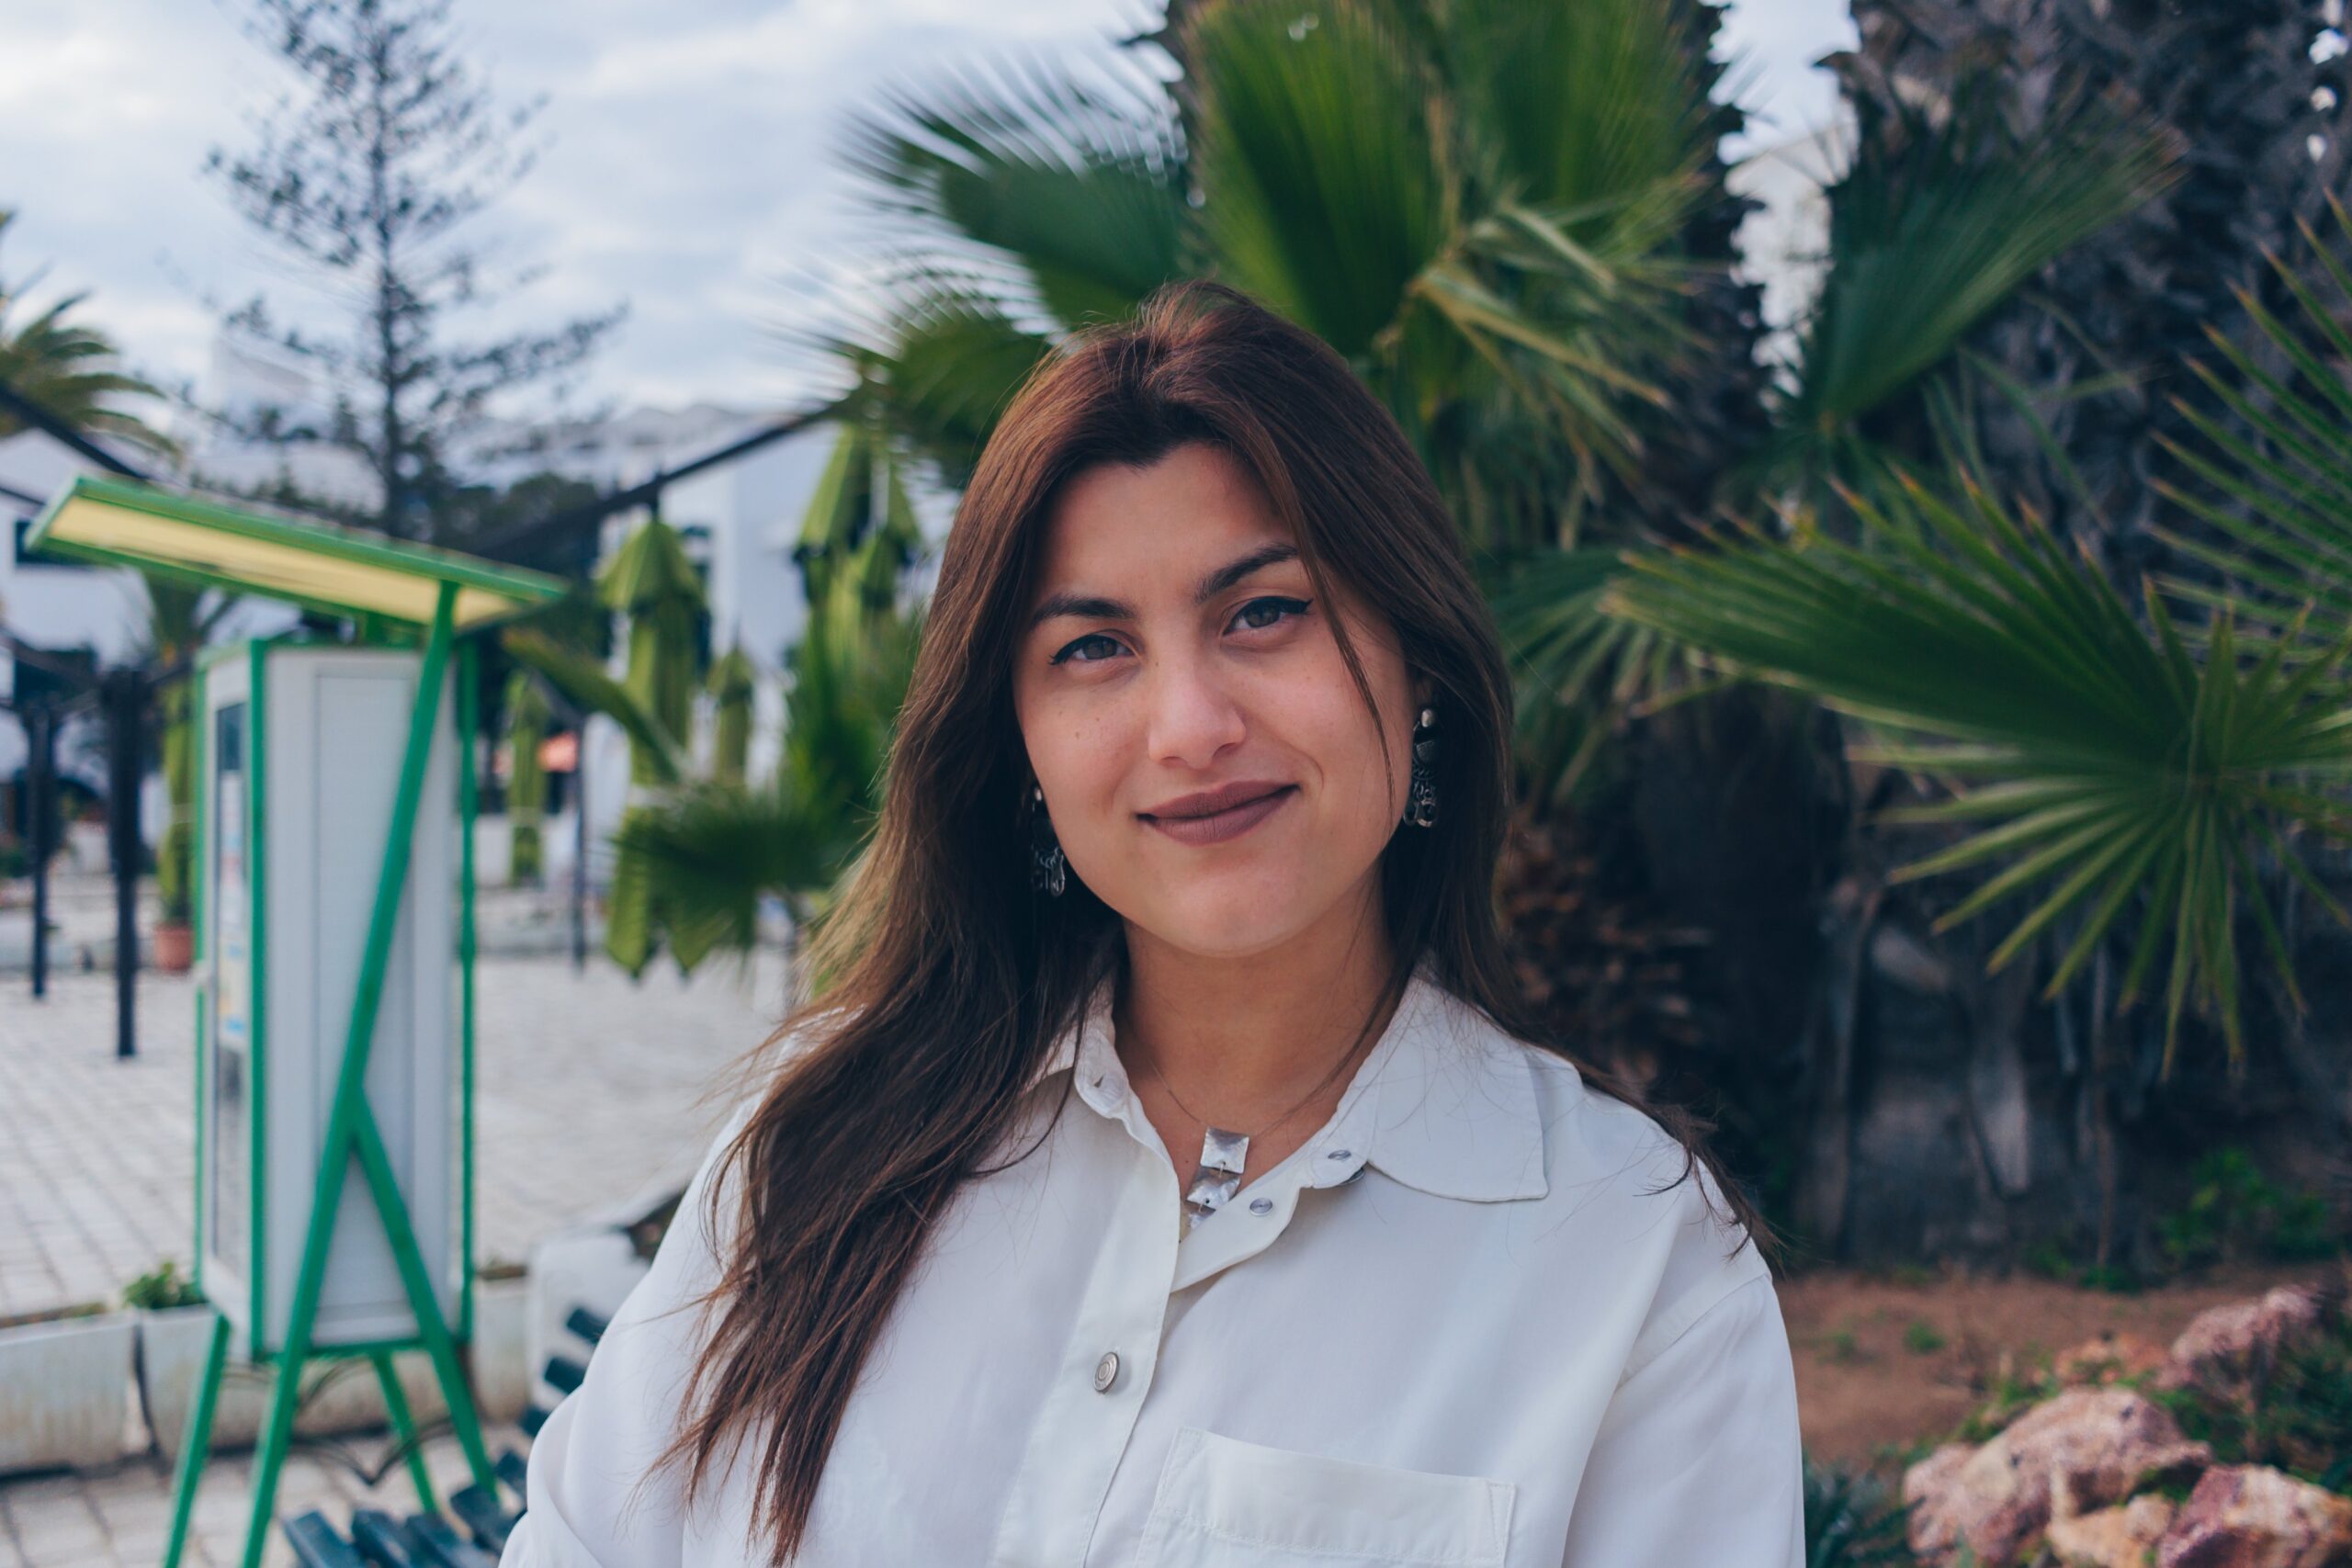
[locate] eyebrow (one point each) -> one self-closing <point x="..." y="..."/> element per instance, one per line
<point x="1094" y="607"/>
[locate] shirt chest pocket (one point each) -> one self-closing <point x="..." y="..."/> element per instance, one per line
<point x="1222" y="1503"/>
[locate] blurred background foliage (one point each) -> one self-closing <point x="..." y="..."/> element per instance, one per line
<point x="1931" y="728"/>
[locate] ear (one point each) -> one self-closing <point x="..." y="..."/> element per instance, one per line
<point x="1424" y="692"/>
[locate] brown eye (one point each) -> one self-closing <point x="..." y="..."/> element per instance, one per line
<point x="1081" y="642"/>
<point x="1280" y="606"/>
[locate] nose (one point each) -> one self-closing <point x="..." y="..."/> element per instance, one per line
<point x="1193" y="717"/>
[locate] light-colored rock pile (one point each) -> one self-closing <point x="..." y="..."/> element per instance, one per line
<point x="2075" y="1471"/>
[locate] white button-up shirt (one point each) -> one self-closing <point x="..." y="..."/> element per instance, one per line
<point x="1461" y="1325"/>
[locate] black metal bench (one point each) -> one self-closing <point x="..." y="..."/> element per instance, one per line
<point x="378" y="1539"/>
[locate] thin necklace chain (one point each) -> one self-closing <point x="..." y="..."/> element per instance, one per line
<point x="1159" y="1078"/>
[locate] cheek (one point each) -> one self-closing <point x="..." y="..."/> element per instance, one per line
<point x="1342" y="745"/>
<point x="1075" y="751"/>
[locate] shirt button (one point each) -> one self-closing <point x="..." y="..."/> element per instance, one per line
<point x="1105" y="1371"/>
<point x="1338" y="1154"/>
<point x="1261" y="1205"/>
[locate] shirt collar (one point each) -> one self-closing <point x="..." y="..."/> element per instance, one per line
<point x="1445" y="1101"/>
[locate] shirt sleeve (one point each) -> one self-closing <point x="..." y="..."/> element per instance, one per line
<point x="591" y="1498"/>
<point x="1697" y="1458"/>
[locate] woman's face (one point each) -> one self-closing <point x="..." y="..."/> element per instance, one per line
<point x="1176" y="647"/>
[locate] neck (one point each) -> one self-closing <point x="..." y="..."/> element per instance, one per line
<point x="1243" y="1038"/>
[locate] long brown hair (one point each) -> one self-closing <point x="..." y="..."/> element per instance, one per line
<point x="951" y="978"/>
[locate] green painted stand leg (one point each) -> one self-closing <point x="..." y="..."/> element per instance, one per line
<point x="377" y="1165"/>
<point x="351" y="1130"/>
<point x="404" y="1429"/>
<point x="196" y="1443"/>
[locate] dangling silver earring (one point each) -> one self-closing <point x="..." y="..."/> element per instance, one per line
<point x="1420" y="799"/>
<point x="1046" y="863"/>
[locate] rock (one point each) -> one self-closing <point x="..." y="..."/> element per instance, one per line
<point x="2111" y="1538"/>
<point x="2104" y="1360"/>
<point x="2084" y="1449"/>
<point x="2251" y="1516"/>
<point x="2224" y="1346"/>
<point x="1932" y="1476"/>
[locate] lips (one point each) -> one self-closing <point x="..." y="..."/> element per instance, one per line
<point x="1217" y="827"/>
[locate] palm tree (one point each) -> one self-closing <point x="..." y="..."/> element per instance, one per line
<point x="180" y="621"/>
<point x="527" y="716"/>
<point x="69" y="368"/>
<point x="712" y="851"/>
<point x="707" y="853"/>
<point x="731" y="684"/>
<point x="1484" y="217"/>
<point x="1488" y="210"/>
<point x="653" y="583"/>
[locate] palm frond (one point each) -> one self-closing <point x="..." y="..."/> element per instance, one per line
<point x="1574" y="105"/>
<point x="2124" y="767"/>
<point x="1937" y="222"/>
<point x="710" y="853"/>
<point x="2273" y="481"/>
<point x="1575" y="669"/>
<point x="1079" y="183"/>
<point x="70" y="368"/>
<point x="1324" y="194"/>
<point x="584" y="682"/>
<point x="939" y="364"/>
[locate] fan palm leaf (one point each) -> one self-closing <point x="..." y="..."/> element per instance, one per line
<point x="1574" y="668"/>
<point x="2120" y="766"/>
<point x="1077" y="183"/>
<point x="2275" y="492"/>
<point x="1937" y="221"/>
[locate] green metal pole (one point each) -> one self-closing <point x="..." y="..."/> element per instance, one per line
<point x="196" y="1441"/>
<point x="377" y="1165"/>
<point x="351" y="1086"/>
<point x="469" y="723"/>
<point x="404" y="1429"/>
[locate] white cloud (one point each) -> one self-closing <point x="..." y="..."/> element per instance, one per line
<point x="688" y="165"/>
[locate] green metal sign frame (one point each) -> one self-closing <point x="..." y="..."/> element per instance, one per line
<point x="307" y="562"/>
<point x="352" y="1132"/>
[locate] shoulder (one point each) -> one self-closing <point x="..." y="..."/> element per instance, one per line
<point x="1626" y="1188"/>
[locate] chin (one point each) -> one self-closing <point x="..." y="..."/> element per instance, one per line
<point x="1226" y="922"/>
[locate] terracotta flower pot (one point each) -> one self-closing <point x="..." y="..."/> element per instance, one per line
<point x="175" y="946"/>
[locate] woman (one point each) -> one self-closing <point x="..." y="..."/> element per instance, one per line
<point x="1169" y="1176"/>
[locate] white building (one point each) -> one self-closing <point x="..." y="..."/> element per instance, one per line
<point x="739" y="519"/>
<point x="51" y="604"/>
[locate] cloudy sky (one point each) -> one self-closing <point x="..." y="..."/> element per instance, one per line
<point x="688" y="167"/>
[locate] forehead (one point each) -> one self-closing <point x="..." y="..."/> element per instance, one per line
<point x="1114" y="521"/>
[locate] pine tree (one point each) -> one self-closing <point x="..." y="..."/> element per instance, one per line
<point x="366" y="176"/>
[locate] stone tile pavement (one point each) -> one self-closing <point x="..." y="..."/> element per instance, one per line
<point x="587" y="1091"/>
<point x="118" y="1517"/>
<point x="590" y="1092"/>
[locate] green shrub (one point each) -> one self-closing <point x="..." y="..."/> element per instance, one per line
<point x="2297" y="1417"/>
<point x="1851" y="1520"/>
<point x="2236" y="1211"/>
<point x="2011" y="1395"/>
<point x="160" y="1288"/>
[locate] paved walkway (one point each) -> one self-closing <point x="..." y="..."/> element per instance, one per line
<point x="587" y="1091"/>
<point x="591" y="1093"/>
<point x="118" y="1517"/>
